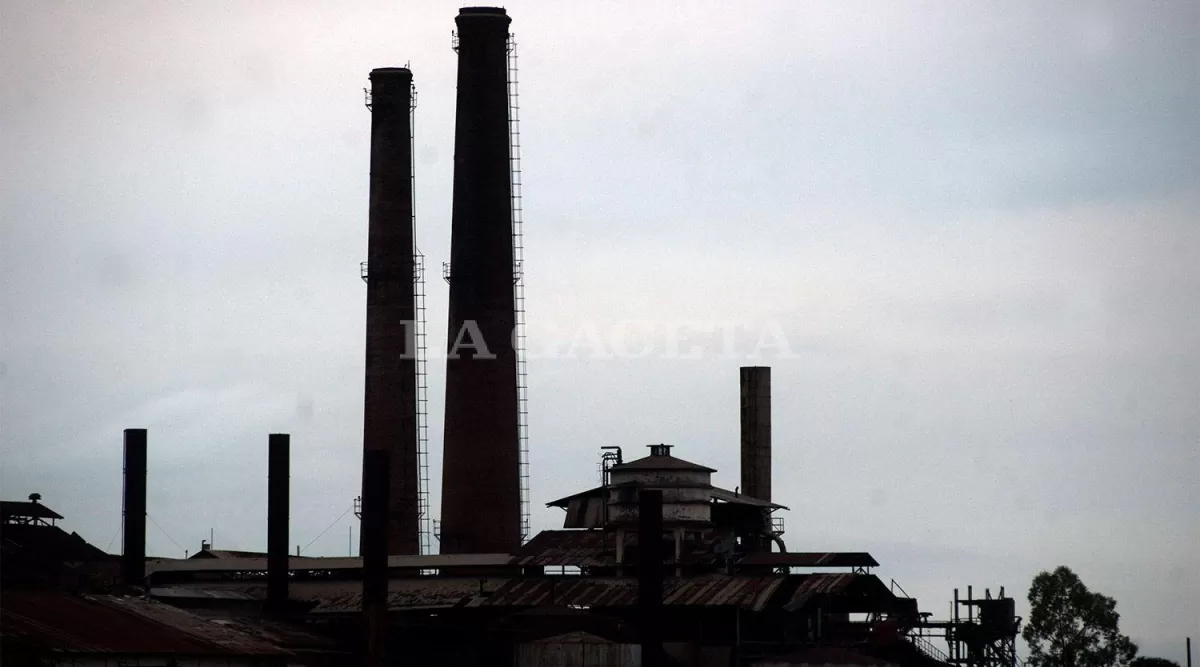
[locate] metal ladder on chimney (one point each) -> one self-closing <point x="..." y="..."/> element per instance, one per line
<point x="514" y="157"/>
<point x="424" y="525"/>
<point x="423" y="510"/>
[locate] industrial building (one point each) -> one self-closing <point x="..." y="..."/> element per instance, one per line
<point x="655" y="565"/>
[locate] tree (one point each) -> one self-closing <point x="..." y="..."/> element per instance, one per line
<point x="1153" y="662"/>
<point x="1070" y="626"/>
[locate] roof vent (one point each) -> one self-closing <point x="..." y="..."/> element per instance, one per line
<point x="660" y="450"/>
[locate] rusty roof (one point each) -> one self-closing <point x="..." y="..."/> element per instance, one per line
<point x="596" y="548"/>
<point x="841" y="584"/>
<point x="751" y="593"/>
<point x="668" y="462"/>
<point x="309" y="564"/>
<point x="340" y="597"/>
<point x="111" y="624"/>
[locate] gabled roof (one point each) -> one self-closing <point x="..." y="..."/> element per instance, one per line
<point x="716" y="493"/>
<point x="661" y="463"/>
<point x="16" y="508"/>
<point x="226" y="554"/>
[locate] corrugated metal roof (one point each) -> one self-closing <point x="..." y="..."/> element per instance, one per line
<point x="742" y="499"/>
<point x="109" y="624"/>
<point x="747" y="592"/>
<point x="717" y="590"/>
<point x="823" y="583"/>
<point x="303" y="563"/>
<point x="597" y="548"/>
<point x="341" y="597"/>
<point x="581" y="548"/>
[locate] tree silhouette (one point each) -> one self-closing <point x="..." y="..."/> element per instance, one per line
<point x="1070" y="626"/>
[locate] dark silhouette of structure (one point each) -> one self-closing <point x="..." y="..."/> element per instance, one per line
<point x="278" y="501"/>
<point x="390" y="394"/>
<point x="133" y="541"/>
<point x="481" y="498"/>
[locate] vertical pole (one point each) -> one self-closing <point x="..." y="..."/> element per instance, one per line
<point x="375" y="552"/>
<point x="1189" y="652"/>
<point x="954" y="644"/>
<point x="278" y="499"/>
<point x="133" y="542"/>
<point x="650" y="575"/>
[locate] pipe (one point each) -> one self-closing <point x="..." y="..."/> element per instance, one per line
<point x="375" y="556"/>
<point x="650" y="575"/>
<point x="278" y="500"/>
<point x="481" y="477"/>
<point x="133" y="539"/>
<point x="390" y="389"/>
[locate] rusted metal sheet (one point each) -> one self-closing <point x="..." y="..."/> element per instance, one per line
<point x="595" y="548"/>
<point x="345" y="597"/>
<point x="725" y="495"/>
<point x="109" y="624"/>
<point x="305" y="564"/>
<point x="813" y="585"/>
<point x="750" y="593"/>
<point x="577" y="649"/>
<point x="555" y="548"/>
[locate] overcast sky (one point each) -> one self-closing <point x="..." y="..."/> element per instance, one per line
<point x="975" y="228"/>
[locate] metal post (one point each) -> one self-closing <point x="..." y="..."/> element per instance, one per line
<point x="650" y="575"/>
<point x="1189" y="652"/>
<point x="133" y="542"/>
<point x="278" y="500"/>
<point x="374" y="546"/>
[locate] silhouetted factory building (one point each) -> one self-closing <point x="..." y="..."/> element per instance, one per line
<point x="657" y="565"/>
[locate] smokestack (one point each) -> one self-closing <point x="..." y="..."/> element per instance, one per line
<point x="650" y="574"/>
<point x="481" y="497"/>
<point x="375" y="556"/>
<point x="133" y="541"/>
<point x="756" y="431"/>
<point x="278" y="463"/>
<point x="390" y="395"/>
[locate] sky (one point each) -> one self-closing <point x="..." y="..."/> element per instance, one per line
<point x="963" y="235"/>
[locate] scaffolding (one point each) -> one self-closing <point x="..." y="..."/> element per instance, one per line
<point x="514" y="157"/>
<point x="424" y="518"/>
<point x="984" y="636"/>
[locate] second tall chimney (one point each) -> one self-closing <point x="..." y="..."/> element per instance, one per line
<point x="481" y="497"/>
<point x="756" y="431"/>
